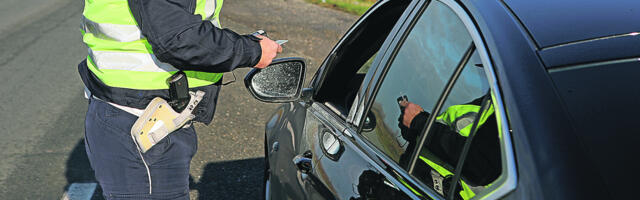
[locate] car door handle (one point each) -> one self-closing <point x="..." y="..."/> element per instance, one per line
<point x="303" y="162"/>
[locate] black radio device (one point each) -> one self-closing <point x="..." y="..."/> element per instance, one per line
<point x="178" y="91"/>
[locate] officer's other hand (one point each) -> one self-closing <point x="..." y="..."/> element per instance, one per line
<point x="410" y="112"/>
<point x="269" y="50"/>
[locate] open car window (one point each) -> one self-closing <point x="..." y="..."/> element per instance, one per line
<point x="347" y="66"/>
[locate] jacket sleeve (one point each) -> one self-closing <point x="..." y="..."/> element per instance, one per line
<point x="419" y="121"/>
<point x="184" y="40"/>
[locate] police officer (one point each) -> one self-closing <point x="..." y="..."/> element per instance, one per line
<point x="134" y="46"/>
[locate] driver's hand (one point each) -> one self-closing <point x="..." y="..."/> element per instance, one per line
<point x="269" y="50"/>
<point x="410" y="111"/>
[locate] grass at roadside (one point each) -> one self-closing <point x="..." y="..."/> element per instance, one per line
<point x="353" y="6"/>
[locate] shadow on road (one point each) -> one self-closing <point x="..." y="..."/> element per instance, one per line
<point x="238" y="179"/>
<point x="79" y="169"/>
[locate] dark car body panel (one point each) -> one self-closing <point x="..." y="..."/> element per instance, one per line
<point x="553" y="22"/>
<point x="329" y="179"/>
<point x="340" y="174"/>
<point x="288" y="120"/>
<point x="608" y="124"/>
<point x="598" y="50"/>
<point x="552" y="164"/>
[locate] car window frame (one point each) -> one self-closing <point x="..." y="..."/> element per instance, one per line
<point x="367" y="93"/>
<point x="321" y="75"/>
<point x="507" y="181"/>
<point x="344" y="127"/>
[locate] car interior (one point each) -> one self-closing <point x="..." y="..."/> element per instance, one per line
<point x="351" y="61"/>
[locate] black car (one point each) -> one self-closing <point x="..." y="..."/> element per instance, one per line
<point x="468" y="99"/>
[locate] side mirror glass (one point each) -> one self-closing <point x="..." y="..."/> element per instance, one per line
<point x="281" y="81"/>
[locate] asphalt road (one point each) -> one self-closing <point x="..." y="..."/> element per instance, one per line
<point x="42" y="107"/>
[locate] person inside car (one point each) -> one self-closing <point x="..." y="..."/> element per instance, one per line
<point x="445" y="142"/>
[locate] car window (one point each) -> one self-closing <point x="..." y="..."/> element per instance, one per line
<point x="452" y="127"/>
<point x="419" y="72"/>
<point x="346" y="68"/>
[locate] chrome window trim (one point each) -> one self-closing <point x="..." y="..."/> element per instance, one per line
<point x="329" y="117"/>
<point x="508" y="179"/>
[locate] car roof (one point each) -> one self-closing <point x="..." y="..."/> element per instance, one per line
<point x="556" y="22"/>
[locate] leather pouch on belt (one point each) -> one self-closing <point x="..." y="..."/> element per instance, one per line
<point x="159" y="120"/>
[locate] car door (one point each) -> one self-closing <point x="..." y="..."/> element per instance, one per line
<point x="329" y="165"/>
<point x="348" y="147"/>
<point x="339" y="168"/>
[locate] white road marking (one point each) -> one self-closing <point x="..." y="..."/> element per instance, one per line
<point x="80" y="191"/>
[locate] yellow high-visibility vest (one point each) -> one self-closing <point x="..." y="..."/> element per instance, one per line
<point x="460" y="118"/>
<point x="120" y="56"/>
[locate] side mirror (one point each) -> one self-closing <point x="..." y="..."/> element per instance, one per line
<point x="281" y="81"/>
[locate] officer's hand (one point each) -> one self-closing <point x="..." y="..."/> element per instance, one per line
<point x="269" y="50"/>
<point x="410" y="112"/>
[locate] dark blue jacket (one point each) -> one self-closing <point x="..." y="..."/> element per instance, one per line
<point x="184" y="40"/>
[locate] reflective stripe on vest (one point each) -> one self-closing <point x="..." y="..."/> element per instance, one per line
<point x="120" y="56"/>
<point x="465" y="193"/>
<point x="461" y="117"/>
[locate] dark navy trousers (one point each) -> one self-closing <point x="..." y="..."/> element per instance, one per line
<point x="119" y="167"/>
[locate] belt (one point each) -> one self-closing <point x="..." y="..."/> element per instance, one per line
<point x="130" y="110"/>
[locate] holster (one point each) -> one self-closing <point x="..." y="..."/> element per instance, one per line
<point x="159" y="120"/>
